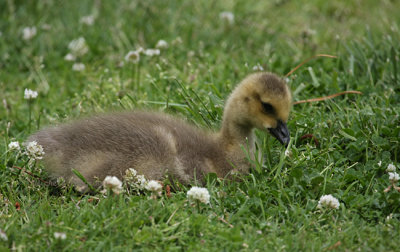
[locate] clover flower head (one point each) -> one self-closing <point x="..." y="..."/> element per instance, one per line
<point x="132" y="56"/>
<point x="87" y="20"/>
<point x="162" y="44"/>
<point x="328" y="201"/>
<point x="28" y="33"/>
<point x="142" y="181"/>
<point x="70" y="57"/>
<point x="78" y="67"/>
<point x="14" y="146"/>
<point x="34" y="150"/>
<point x="391" y="168"/>
<point x="258" y="67"/>
<point x="393" y="177"/>
<point x="78" y="47"/>
<point x="130" y="174"/>
<point x="60" y="235"/>
<point x="199" y="193"/>
<point x="30" y="94"/>
<point x="112" y="183"/>
<point x="227" y="17"/>
<point x="135" y="180"/>
<point x="151" y="52"/>
<point x="153" y="186"/>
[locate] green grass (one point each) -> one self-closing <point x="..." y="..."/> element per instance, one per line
<point x="273" y="208"/>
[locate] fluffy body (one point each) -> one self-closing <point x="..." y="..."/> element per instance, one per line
<point x="156" y="144"/>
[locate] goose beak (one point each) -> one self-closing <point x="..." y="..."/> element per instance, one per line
<point x="281" y="133"/>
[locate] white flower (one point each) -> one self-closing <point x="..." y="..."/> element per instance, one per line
<point x="393" y="177"/>
<point x="153" y="186"/>
<point x="130" y="174"/>
<point x="258" y="67"/>
<point x="69" y="57"/>
<point x="113" y="183"/>
<point x="151" y="52"/>
<point x="34" y="150"/>
<point x="3" y="235"/>
<point x="140" y="50"/>
<point x="380" y="163"/>
<point x="30" y="94"/>
<point x="391" y="168"/>
<point x="162" y="44"/>
<point x="227" y="17"/>
<point x="328" y="201"/>
<point x="78" y="47"/>
<point x="78" y="67"/>
<point x="199" y="193"/>
<point x="141" y="181"/>
<point x="133" y="56"/>
<point x="134" y="180"/>
<point x="28" y="33"/>
<point x="87" y="20"/>
<point x="14" y="146"/>
<point x="288" y="153"/>
<point x="60" y="235"/>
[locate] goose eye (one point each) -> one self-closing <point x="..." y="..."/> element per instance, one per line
<point x="268" y="108"/>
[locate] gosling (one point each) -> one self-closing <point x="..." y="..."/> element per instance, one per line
<point x="156" y="144"/>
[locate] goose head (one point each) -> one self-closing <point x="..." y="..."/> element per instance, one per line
<point x="262" y="101"/>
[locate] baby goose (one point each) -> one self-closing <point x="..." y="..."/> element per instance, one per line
<point x="157" y="144"/>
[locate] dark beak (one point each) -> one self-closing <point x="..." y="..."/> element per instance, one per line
<point x="281" y="133"/>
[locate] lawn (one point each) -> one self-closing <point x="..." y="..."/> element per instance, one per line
<point x="341" y="147"/>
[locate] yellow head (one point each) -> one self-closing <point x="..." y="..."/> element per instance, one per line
<point x="262" y="101"/>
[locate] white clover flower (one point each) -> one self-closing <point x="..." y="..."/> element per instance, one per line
<point x="60" y="235"/>
<point x="78" y="67"/>
<point x="153" y="186"/>
<point x="328" y="201"/>
<point x="130" y="174"/>
<point x="140" y="50"/>
<point x="151" y="52"/>
<point x="393" y="177"/>
<point x="141" y="180"/>
<point x="14" y="146"/>
<point x="70" y="57"/>
<point x="391" y="168"/>
<point x="78" y="47"/>
<point x="162" y="44"/>
<point x="133" y="57"/>
<point x="34" y="150"/>
<point x="28" y="33"/>
<point x="3" y="235"/>
<point x="227" y="17"/>
<point x="134" y="180"/>
<point x="113" y="183"/>
<point x="30" y="94"/>
<point x="87" y="20"/>
<point x="199" y="193"/>
<point x="258" y="67"/>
